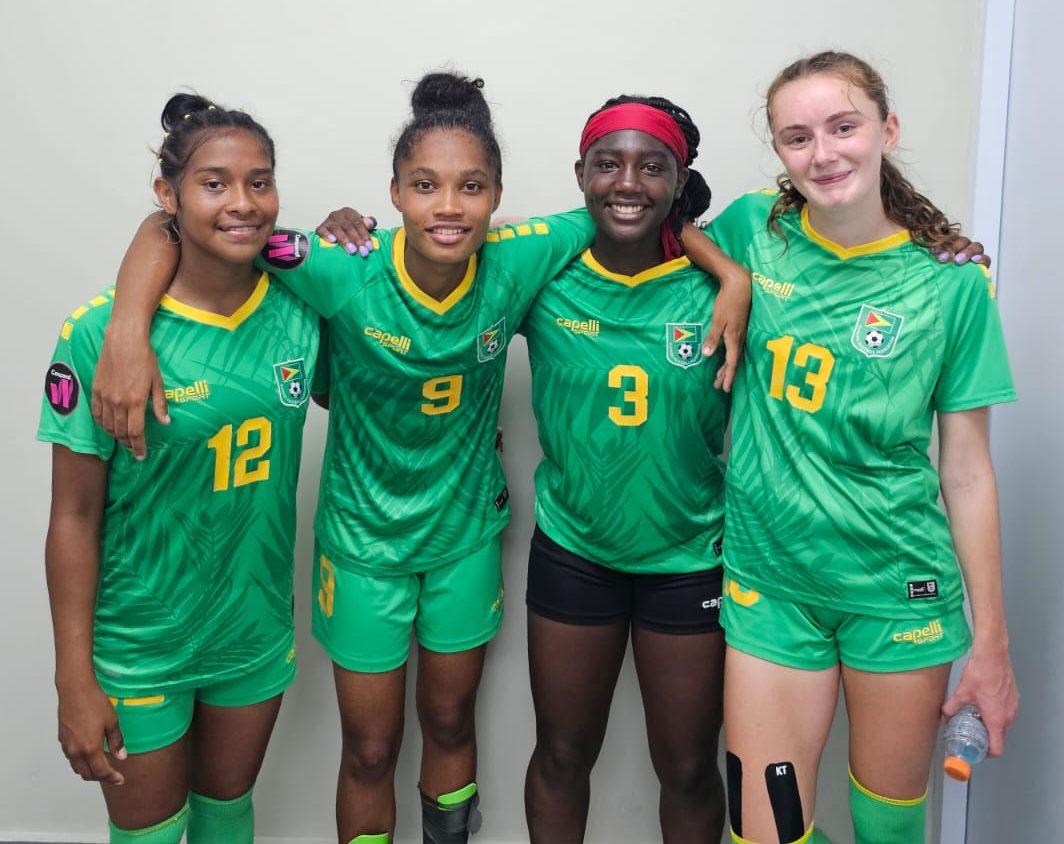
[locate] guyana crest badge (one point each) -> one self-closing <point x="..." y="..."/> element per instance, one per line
<point x="491" y="341"/>
<point x="876" y="333"/>
<point x="291" y="378"/>
<point x="683" y="343"/>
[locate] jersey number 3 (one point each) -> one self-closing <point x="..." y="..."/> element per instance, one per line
<point x="633" y="380"/>
<point x="249" y="465"/>
<point x="815" y="379"/>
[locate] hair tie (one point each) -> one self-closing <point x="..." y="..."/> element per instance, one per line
<point x="166" y="135"/>
<point x="211" y="108"/>
<point x="187" y="116"/>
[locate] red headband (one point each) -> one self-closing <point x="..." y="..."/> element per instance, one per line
<point x="656" y="123"/>
<point x="643" y="118"/>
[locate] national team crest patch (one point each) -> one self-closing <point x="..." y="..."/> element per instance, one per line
<point x="291" y="378"/>
<point x="876" y="333"/>
<point x="491" y="341"/>
<point x="683" y="343"/>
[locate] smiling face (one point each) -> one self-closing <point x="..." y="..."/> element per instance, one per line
<point x="831" y="138"/>
<point x="630" y="180"/>
<point x="225" y="203"/>
<point x="446" y="190"/>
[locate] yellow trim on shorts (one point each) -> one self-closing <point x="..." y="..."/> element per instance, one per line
<point x="890" y="801"/>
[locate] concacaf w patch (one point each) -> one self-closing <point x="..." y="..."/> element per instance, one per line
<point x="683" y="343"/>
<point x="876" y="333"/>
<point x="291" y="378"/>
<point x="491" y="341"/>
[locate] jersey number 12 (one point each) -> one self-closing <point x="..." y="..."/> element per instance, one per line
<point x="249" y="465"/>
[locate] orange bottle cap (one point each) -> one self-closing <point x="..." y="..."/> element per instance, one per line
<point x="958" y="768"/>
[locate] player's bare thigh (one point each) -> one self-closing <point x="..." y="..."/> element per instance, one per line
<point x="155" y="788"/>
<point x="894" y="721"/>
<point x="780" y="717"/>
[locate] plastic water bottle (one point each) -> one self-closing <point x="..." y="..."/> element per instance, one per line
<point x="966" y="743"/>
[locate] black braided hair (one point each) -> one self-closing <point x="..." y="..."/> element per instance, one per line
<point x="693" y="202"/>
<point x="189" y="121"/>
<point x="448" y="101"/>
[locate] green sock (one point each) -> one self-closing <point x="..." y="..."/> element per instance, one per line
<point x="379" y="838"/>
<point x="164" y="832"/>
<point x="881" y="820"/>
<point x="221" y="821"/>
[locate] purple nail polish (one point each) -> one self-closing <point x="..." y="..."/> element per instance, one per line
<point x="943" y="256"/>
<point x="330" y="237"/>
<point x="363" y="250"/>
<point x="960" y="259"/>
<point x="351" y="248"/>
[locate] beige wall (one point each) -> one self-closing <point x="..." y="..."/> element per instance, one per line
<point x="83" y="87"/>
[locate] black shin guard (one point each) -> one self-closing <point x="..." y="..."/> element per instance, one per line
<point x="449" y="824"/>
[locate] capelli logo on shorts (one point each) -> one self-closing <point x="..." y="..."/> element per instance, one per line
<point x="922" y="589"/>
<point x="711" y="604"/>
<point x="926" y="635"/>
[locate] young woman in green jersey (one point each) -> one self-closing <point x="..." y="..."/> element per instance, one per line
<point x="839" y="563"/>
<point x="630" y="493"/>
<point x="171" y="579"/>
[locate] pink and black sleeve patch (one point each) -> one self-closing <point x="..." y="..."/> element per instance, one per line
<point x="61" y="388"/>
<point x="286" y="249"/>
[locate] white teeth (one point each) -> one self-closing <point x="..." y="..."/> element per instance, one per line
<point x="626" y="210"/>
<point x="447" y="231"/>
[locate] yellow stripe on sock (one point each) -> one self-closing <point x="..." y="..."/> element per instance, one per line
<point x="805" y="839"/>
<point x="890" y="801"/>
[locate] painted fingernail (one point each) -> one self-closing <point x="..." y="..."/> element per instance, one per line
<point x="330" y="237"/>
<point x="363" y="250"/>
<point x="978" y="259"/>
<point x="960" y="258"/>
<point x="371" y="222"/>
<point x="943" y="256"/>
<point x="351" y="248"/>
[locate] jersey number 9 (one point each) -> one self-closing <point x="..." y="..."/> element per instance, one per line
<point x="443" y="394"/>
<point x="249" y="466"/>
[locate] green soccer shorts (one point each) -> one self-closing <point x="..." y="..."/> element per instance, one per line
<point x="814" y="638"/>
<point x="151" y="721"/>
<point x="364" y="620"/>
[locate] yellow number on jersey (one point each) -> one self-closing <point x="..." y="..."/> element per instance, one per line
<point x="446" y="390"/>
<point x="817" y="378"/>
<point x="636" y="396"/>
<point x="243" y="471"/>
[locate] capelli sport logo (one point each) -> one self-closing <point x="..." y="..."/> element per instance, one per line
<point x="926" y="635"/>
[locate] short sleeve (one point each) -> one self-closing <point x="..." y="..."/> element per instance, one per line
<point x="320" y="385"/>
<point x="320" y="273"/>
<point x="66" y="407"/>
<point x="537" y="250"/>
<point x="734" y="228"/>
<point x="975" y="368"/>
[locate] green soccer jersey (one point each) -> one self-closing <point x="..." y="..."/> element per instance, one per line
<point x="411" y="478"/>
<point x="196" y="543"/>
<point x="831" y="495"/>
<point x="630" y="424"/>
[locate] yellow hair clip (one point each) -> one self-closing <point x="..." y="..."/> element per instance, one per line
<point x="187" y="116"/>
<point x="166" y="135"/>
<point x="211" y="108"/>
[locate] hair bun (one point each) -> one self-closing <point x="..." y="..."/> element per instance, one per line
<point x="180" y="105"/>
<point x="450" y="92"/>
